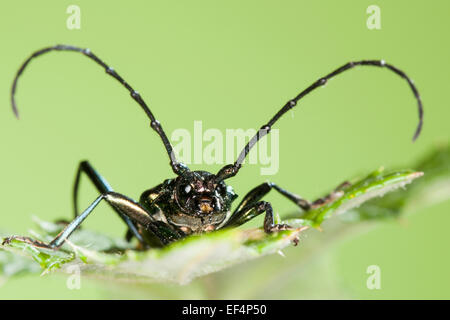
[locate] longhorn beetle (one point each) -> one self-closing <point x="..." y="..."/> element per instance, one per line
<point x="194" y="201"/>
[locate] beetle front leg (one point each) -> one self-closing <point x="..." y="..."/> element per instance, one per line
<point x="63" y="235"/>
<point x="269" y="221"/>
<point x="246" y="209"/>
<point x="120" y="202"/>
<point x="253" y="210"/>
<point x="103" y="187"/>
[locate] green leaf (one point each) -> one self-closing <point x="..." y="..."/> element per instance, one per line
<point x="432" y="188"/>
<point x="374" y="185"/>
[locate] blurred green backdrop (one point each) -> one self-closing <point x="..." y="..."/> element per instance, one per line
<point x="230" y="64"/>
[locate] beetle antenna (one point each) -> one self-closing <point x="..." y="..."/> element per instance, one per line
<point x="232" y="169"/>
<point x="177" y="167"/>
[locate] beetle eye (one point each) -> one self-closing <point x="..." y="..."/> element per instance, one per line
<point x="187" y="188"/>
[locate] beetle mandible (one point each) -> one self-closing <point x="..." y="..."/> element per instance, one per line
<point x="193" y="202"/>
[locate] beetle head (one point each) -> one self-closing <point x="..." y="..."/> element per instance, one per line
<point x="198" y="193"/>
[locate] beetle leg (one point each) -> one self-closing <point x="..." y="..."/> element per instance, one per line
<point x="102" y="186"/>
<point x="335" y="194"/>
<point x="126" y="206"/>
<point x="255" y="209"/>
<point x="263" y="189"/>
<point x="244" y="212"/>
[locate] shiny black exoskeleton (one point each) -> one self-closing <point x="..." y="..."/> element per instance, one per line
<point x="195" y="201"/>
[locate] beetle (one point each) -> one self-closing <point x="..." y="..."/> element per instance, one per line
<point x="193" y="202"/>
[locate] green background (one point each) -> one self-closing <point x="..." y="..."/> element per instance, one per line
<point x="231" y="64"/>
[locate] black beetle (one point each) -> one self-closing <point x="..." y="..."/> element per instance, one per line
<point x="195" y="201"/>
